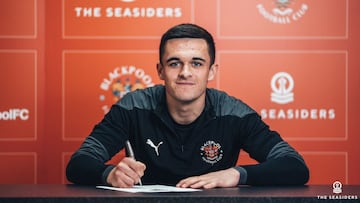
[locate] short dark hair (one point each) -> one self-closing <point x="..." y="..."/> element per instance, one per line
<point x="188" y="30"/>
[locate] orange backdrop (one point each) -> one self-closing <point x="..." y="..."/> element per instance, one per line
<point x="296" y="63"/>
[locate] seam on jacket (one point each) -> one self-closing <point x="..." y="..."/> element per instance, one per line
<point x="283" y="149"/>
<point x="93" y="148"/>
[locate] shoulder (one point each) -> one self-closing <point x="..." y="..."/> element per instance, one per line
<point x="226" y="105"/>
<point x="147" y="98"/>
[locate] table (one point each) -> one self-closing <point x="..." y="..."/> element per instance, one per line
<point x="75" y="193"/>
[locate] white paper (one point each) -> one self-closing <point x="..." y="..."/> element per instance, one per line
<point x="150" y="189"/>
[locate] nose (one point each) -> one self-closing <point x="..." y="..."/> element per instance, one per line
<point x="185" y="71"/>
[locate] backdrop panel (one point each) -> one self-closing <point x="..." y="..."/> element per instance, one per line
<point x="63" y="64"/>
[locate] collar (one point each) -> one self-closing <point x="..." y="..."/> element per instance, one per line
<point x="162" y="112"/>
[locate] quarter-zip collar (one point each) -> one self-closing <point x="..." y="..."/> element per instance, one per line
<point x="161" y="110"/>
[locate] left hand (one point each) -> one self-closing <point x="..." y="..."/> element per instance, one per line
<point x="224" y="178"/>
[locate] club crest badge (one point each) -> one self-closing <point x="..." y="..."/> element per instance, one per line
<point x="211" y="152"/>
<point x="120" y="81"/>
<point x="282" y="11"/>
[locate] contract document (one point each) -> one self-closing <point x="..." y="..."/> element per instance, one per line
<point x="150" y="189"/>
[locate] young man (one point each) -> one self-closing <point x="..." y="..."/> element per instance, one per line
<point x="184" y="133"/>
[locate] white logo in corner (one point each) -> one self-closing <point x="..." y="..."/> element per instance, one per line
<point x="338" y="193"/>
<point x="337" y="187"/>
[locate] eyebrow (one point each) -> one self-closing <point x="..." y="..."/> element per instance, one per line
<point x="172" y="59"/>
<point x="199" y="59"/>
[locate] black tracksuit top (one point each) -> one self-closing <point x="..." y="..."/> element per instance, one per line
<point x="172" y="152"/>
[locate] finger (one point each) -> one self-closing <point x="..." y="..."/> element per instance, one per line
<point x="116" y="178"/>
<point x="188" y="182"/>
<point x="136" y="166"/>
<point x="198" y="184"/>
<point x="123" y="178"/>
<point x="209" y="185"/>
<point x="139" y="168"/>
<point x="119" y="183"/>
<point x="125" y="173"/>
<point x="203" y="182"/>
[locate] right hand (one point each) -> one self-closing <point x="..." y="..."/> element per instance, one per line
<point x="127" y="173"/>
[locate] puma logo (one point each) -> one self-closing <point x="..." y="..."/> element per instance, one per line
<point x="156" y="147"/>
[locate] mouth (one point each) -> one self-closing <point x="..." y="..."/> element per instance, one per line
<point x="185" y="83"/>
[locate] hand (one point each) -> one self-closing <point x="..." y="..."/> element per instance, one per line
<point x="127" y="173"/>
<point x="224" y="178"/>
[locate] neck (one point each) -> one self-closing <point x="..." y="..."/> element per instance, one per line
<point x="186" y="113"/>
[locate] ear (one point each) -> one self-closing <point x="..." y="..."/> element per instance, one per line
<point x="212" y="72"/>
<point x="160" y="70"/>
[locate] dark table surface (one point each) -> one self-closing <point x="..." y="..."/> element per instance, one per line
<point x="78" y="194"/>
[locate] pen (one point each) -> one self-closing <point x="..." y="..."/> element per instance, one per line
<point x="131" y="153"/>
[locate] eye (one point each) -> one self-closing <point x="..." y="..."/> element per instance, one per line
<point x="196" y="64"/>
<point x="174" y="64"/>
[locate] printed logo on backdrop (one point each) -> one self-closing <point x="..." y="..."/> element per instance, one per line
<point x="120" y="81"/>
<point x="123" y="18"/>
<point x="128" y="11"/>
<point x="282" y="85"/>
<point x="14" y="114"/>
<point x="337" y="193"/>
<point x="283" y="11"/>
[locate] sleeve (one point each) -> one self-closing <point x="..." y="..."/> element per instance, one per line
<point x="279" y="163"/>
<point x="88" y="164"/>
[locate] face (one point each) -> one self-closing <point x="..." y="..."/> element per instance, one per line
<point x="185" y="68"/>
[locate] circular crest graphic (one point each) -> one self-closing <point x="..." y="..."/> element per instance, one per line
<point x="282" y="85"/>
<point x="121" y="81"/>
<point x="283" y="11"/>
<point x="337" y="187"/>
<point x="211" y="152"/>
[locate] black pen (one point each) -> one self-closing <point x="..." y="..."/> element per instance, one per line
<point x="131" y="154"/>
